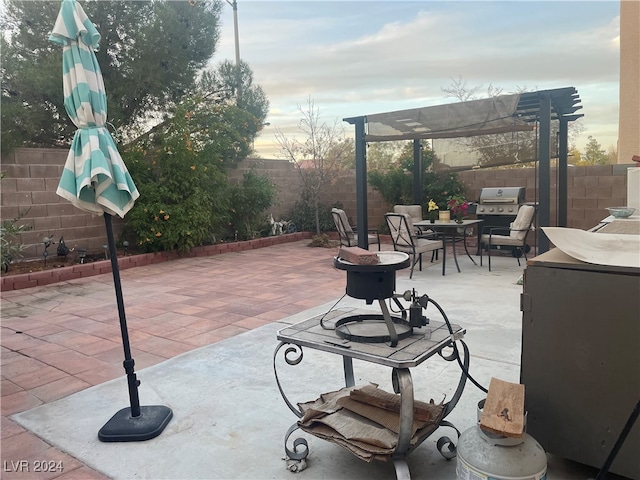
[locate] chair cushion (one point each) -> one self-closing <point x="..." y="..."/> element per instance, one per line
<point x="424" y="245"/>
<point x="522" y="222"/>
<point x="414" y="211"/>
<point x="501" y="240"/>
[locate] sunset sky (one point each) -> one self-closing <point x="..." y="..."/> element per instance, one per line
<point x="361" y="57"/>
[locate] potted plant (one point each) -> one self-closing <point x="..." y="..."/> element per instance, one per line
<point x="459" y="207"/>
<point x="432" y="210"/>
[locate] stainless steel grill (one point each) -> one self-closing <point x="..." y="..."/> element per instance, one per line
<point x="502" y="201"/>
<point x="498" y="207"/>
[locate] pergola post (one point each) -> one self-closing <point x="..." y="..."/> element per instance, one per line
<point x="544" y="172"/>
<point x="417" y="172"/>
<point x="361" y="184"/>
<point x="563" y="152"/>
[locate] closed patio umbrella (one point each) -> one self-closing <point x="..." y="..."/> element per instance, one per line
<point x="95" y="179"/>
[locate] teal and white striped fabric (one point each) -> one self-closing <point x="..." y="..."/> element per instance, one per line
<point x="95" y="178"/>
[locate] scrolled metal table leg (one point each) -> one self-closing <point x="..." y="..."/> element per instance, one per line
<point x="293" y="356"/>
<point x="296" y="456"/>
<point x="454" y="356"/>
<point x="445" y="445"/>
<point x="295" y="453"/>
<point x="402" y="469"/>
<point x="403" y="384"/>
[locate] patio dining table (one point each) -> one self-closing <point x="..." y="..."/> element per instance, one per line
<point x="451" y="230"/>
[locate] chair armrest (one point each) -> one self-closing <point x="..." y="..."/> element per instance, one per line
<point x="432" y="235"/>
<point x="493" y="230"/>
<point x="370" y="231"/>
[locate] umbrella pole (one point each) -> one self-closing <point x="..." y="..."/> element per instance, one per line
<point x="128" y="363"/>
<point x="135" y="423"/>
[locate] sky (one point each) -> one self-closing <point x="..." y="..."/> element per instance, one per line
<point x="357" y="58"/>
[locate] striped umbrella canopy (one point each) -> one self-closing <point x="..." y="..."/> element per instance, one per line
<point x="95" y="179"/>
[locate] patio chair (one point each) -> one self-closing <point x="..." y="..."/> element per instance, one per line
<point x="348" y="237"/>
<point x="514" y="236"/>
<point x="414" y="211"/>
<point x="405" y="240"/>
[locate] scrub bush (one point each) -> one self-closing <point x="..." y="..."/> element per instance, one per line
<point x="180" y="169"/>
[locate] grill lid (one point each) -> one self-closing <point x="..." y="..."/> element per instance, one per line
<point x="502" y="195"/>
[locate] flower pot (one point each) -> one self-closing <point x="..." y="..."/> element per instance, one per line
<point x="444" y="216"/>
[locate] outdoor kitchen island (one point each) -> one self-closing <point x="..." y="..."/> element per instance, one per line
<point x="581" y="352"/>
<point x="369" y="422"/>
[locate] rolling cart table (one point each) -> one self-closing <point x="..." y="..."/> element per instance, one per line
<point x="409" y="352"/>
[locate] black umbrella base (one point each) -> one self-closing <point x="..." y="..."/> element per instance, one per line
<point x="122" y="427"/>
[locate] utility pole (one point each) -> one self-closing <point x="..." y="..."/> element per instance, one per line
<point x="234" y="5"/>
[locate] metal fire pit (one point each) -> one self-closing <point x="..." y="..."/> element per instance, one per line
<point x="369" y="283"/>
<point x="373" y="282"/>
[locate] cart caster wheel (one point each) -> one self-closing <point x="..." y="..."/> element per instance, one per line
<point x="516" y="252"/>
<point x="527" y="248"/>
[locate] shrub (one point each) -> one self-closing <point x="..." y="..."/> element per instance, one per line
<point x="303" y="216"/>
<point x="11" y="248"/>
<point x="395" y="183"/>
<point x="250" y="201"/>
<point x="323" y="241"/>
<point x="180" y="169"/>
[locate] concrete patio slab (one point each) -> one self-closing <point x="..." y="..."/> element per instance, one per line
<point x="229" y="419"/>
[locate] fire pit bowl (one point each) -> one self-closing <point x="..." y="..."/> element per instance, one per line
<point x="373" y="282"/>
<point x="621" y="212"/>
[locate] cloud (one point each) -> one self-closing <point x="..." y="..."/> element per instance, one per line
<point x="356" y="58"/>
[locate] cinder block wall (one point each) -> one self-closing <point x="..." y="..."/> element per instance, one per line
<point x="590" y="189"/>
<point x="32" y="175"/>
<point x="285" y="175"/>
<point x="29" y="185"/>
<point x="281" y="173"/>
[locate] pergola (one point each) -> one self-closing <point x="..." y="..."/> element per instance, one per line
<point x="522" y="112"/>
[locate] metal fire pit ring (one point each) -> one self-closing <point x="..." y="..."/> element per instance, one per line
<point x="371" y="328"/>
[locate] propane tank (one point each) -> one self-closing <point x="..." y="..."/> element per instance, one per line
<point x="484" y="455"/>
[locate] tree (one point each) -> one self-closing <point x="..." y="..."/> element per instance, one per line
<point x="612" y="155"/>
<point x="594" y="154"/>
<point x="575" y="157"/>
<point x="494" y="149"/>
<point x="220" y="86"/>
<point x="505" y="148"/>
<point x="459" y="89"/>
<point x="151" y="52"/>
<point x="318" y="157"/>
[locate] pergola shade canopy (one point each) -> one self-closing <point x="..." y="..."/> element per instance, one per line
<point x="494" y="131"/>
<point x="463" y="119"/>
<point x="500" y="114"/>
